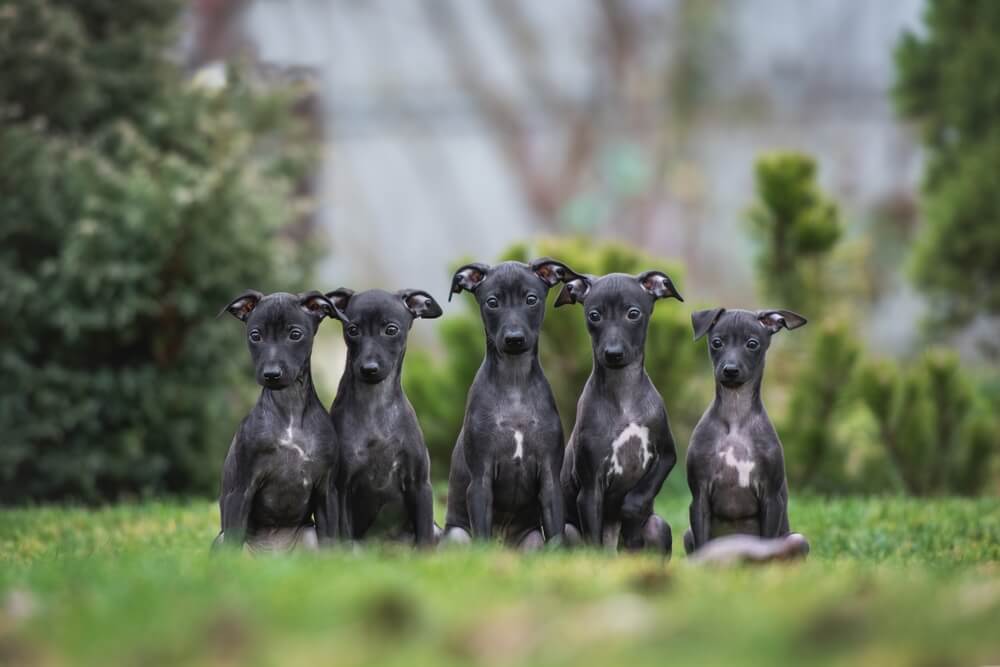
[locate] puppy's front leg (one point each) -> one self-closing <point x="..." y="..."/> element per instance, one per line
<point x="699" y="513"/>
<point x="638" y="503"/>
<point x="590" y="507"/>
<point x="551" y="499"/>
<point x="239" y="485"/>
<point x="327" y="510"/>
<point x="479" y="496"/>
<point x="773" y="511"/>
<point x="420" y="502"/>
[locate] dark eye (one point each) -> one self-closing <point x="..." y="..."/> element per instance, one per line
<point x="255" y="336"/>
<point x="391" y="330"/>
<point x="492" y="302"/>
<point x="717" y="343"/>
<point x="295" y="334"/>
<point x="752" y="344"/>
<point x="594" y="316"/>
<point x="633" y="313"/>
<point x="531" y="300"/>
<point x="353" y="330"/>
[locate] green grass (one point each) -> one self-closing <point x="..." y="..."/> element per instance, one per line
<point x="890" y="582"/>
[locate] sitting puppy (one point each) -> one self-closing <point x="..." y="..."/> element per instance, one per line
<point x="735" y="464"/>
<point x="621" y="449"/>
<point x="279" y="474"/>
<point x="505" y="465"/>
<point x="384" y="478"/>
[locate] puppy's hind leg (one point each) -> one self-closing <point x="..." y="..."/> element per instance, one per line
<point x="657" y="536"/>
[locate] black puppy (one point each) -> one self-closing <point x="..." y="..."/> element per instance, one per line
<point x="279" y="474"/>
<point x="621" y="449"/>
<point x="735" y="464"/>
<point x="385" y="467"/>
<point x="505" y="465"/>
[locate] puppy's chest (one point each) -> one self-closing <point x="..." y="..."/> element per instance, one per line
<point x="735" y="460"/>
<point x="516" y="428"/>
<point x="624" y="446"/>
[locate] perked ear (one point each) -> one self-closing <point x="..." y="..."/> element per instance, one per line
<point x="340" y="297"/>
<point x="420" y="303"/>
<point x="659" y="285"/>
<point x="468" y="278"/>
<point x="243" y="305"/>
<point x="574" y="291"/>
<point x="552" y="271"/>
<point x="703" y="320"/>
<point x="775" y="320"/>
<point x="318" y="305"/>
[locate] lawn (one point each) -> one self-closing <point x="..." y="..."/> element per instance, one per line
<point x="890" y="582"/>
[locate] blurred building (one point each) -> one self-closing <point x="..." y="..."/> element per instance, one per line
<point x="454" y="127"/>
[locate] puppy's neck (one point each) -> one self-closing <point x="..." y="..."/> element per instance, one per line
<point x="510" y="369"/>
<point x="294" y="400"/>
<point x="618" y="384"/>
<point x="738" y="405"/>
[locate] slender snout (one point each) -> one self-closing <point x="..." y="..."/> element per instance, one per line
<point x="271" y="374"/>
<point x="514" y="340"/>
<point x="730" y="371"/>
<point x="370" y="369"/>
<point x="614" y="355"/>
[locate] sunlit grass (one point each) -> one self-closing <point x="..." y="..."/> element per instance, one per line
<point x="890" y="581"/>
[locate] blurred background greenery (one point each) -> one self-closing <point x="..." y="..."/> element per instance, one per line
<point x="150" y="170"/>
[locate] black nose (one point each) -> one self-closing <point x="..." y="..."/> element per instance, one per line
<point x="369" y="369"/>
<point x="272" y="374"/>
<point x="730" y="372"/>
<point x="515" y="339"/>
<point x="614" y="355"/>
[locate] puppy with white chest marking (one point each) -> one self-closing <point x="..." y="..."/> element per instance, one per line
<point x="384" y="479"/>
<point x="621" y="449"/>
<point x="735" y="464"/>
<point x="279" y="478"/>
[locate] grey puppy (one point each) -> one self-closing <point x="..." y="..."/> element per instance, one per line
<point x="384" y="478"/>
<point x="621" y="449"/>
<point x="280" y="473"/>
<point x="505" y="466"/>
<point x="735" y="463"/>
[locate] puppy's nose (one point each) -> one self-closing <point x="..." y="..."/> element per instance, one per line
<point x="369" y="368"/>
<point x="514" y="339"/>
<point x="730" y="372"/>
<point x="272" y="374"/>
<point x="614" y="355"/>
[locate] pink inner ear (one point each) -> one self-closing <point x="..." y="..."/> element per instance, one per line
<point x="772" y="321"/>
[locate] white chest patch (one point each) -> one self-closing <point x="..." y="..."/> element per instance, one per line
<point x="518" y="445"/>
<point x="288" y="440"/>
<point x="633" y="430"/>
<point x="743" y="468"/>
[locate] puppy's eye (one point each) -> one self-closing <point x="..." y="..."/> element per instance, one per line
<point x="391" y="330"/>
<point x="492" y="302"/>
<point x="255" y="336"/>
<point x="295" y="334"/>
<point x="531" y="300"/>
<point x="633" y="313"/>
<point x="717" y="343"/>
<point x="353" y="330"/>
<point x="753" y="344"/>
<point x="594" y="316"/>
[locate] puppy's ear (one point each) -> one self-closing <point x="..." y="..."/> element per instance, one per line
<point x="552" y="271"/>
<point x="574" y="291"/>
<point x="703" y="320"/>
<point x="775" y="320"/>
<point x="420" y="303"/>
<point x="340" y="297"/>
<point x="243" y="305"/>
<point x="318" y="305"/>
<point x="468" y="278"/>
<point x="659" y="285"/>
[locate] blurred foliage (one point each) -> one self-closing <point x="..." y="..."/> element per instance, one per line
<point x="937" y="430"/>
<point x="133" y="207"/>
<point x="796" y="227"/>
<point x="437" y="388"/>
<point x="947" y="84"/>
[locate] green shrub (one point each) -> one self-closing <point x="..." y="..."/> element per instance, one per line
<point x="939" y="434"/>
<point x="438" y="388"/>
<point x="132" y="207"/>
<point x="946" y="83"/>
<point x="796" y="227"/>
